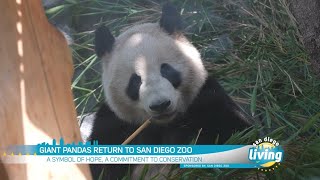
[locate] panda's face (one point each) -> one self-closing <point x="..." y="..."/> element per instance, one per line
<point x="150" y="74"/>
<point x="149" y="71"/>
<point x="154" y="88"/>
<point x="155" y="74"/>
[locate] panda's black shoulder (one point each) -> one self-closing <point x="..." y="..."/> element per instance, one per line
<point x="212" y="93"/>
<point x="215" y="112"/>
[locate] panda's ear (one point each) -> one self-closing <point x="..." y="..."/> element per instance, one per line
<point x="170" y="20"/>
<point x="103" y="41"/>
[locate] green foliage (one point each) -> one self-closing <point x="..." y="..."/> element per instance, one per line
<point x="251" y="46"/>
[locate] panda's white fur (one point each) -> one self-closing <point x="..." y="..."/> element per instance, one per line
<point x="141" y="50"/>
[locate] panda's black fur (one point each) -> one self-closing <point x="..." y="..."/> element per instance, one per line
<point x="212" y="111"/>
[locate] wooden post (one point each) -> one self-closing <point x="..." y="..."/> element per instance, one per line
<point x="36" y="102"/>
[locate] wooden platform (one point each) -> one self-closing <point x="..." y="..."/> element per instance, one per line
<point x="36" y="102"/>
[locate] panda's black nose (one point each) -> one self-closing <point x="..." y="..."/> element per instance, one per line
<point x="160" y="106"/>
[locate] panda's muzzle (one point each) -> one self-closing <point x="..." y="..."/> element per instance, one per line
<point x="163" y="116"/>
<point x="160" y="106"/>
<point x="162" y="111"/>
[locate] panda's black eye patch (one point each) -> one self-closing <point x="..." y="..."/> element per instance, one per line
<point x="134" y="87"/>
<point x="171" y="74"/>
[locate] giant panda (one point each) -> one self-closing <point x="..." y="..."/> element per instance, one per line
<point x="152" y="70"/>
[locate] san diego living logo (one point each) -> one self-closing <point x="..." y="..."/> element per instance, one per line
<point x="267" y="153"/>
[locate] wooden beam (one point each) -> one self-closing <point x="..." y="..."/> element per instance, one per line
<point x="35" y="97"/>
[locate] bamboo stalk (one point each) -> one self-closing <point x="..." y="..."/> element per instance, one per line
<point x="133" y="135"/>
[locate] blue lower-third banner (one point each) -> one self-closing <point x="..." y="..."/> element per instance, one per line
<point x="258" y="155"/>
